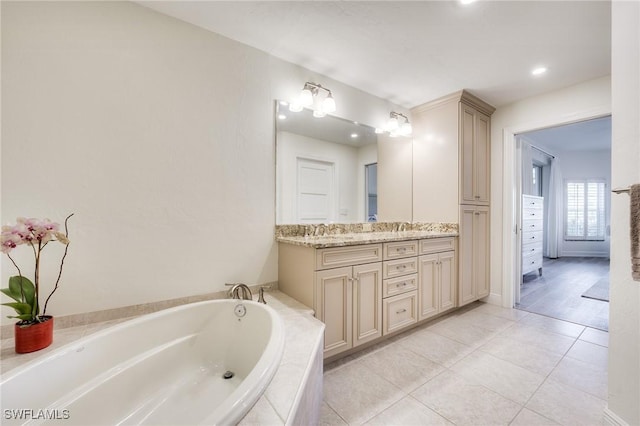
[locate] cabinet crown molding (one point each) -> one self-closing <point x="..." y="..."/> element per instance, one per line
<point x="459" y="96"/>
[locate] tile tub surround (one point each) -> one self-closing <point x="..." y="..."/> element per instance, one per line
<point x="293" y="394"/>
<point x="337" y="235"/>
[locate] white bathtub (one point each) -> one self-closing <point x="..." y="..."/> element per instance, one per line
<point x="162" y="368"/>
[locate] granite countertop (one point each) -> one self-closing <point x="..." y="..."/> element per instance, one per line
<point x="352" y="239"/>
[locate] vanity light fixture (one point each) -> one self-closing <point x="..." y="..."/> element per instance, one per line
<point x="395" y="127"/>
<point x="309" y="98"/>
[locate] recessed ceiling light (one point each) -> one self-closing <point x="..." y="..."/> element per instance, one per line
<point x="538" y="70"/>
<point x="466" y="2"/>
<point x="354" y="135"/>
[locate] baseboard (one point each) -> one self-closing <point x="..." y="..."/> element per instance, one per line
<point x="612" y="419"/>
<point x="584" y="254"/>
<point x="493" y="299"/>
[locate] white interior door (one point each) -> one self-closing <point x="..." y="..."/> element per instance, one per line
<point x="316" y="193"/>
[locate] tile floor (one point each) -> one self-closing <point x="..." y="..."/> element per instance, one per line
<point x="482" y="365"/>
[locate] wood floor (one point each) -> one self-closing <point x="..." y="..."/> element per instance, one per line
<point x="558" y="292"/>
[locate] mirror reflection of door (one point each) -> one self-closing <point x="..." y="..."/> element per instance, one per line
<point x="371" y="190"/>
<point x="315" y="196"/>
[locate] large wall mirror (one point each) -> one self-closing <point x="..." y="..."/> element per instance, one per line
<point x="328" y="170"/>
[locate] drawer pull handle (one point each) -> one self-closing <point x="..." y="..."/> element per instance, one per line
<point x="402" y="284"/>
<point x="401" y="311"/>
<point x="401" y="266"/>
<point x="402" y="249"/>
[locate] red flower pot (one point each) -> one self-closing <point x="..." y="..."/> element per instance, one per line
<point x="31" y="338"/>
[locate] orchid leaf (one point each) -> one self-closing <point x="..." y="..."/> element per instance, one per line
<point x="23" y="317"/>
<point x="28" y="289"/>
<point x="7" y="292"/>
<point x="20" y="308"/>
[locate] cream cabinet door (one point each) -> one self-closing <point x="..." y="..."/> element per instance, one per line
<point x="473" y="254"/>
<point x="367" y="303"/>
<point x="428" y="288"/>
<point x="448" y="280"/>
<point x="475" y="137"/>
<point x="334" y="305"/>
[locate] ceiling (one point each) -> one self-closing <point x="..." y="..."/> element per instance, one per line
<point x="589" y="135"/>
<point x="411" y="52"/>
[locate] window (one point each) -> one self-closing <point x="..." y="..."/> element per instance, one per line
<point x="371" y="188"/>
<point x="584" y="210"/>
<point x="537" y="180"/>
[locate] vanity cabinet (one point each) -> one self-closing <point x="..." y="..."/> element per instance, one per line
<point x="438" y="273"/>
<point x="349" y="303"/>
<point x="366" y="291"/>
<point x="473" y="253"/>
<point x="343" y="285"/>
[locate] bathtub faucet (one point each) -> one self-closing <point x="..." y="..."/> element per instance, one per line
<point x="237" y="288"/>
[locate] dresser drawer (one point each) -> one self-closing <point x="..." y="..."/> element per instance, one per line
<point x="399" y="285"/>
<point x="532" y="203"/>
<point x="532" y="225"/>
<point x="345" y="256"/>
<point x="399" y="249"/>
<point x="531" y="263"/>
<point x="532" y="248"/>
<point x="399" y="312"/>
<point x="529" y="237"/>
<point x="532" y="214"/>
<point x="400" y="267"/>
<point x="436" y="245"/>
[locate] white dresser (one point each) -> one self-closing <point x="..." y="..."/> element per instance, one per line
<point x="532" y="233"/>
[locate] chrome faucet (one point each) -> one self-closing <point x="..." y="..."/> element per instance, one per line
<point x="403" y="226"/>
<point x="236" y="288"/>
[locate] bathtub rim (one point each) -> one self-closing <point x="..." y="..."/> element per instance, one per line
<point x="248" y="393"/>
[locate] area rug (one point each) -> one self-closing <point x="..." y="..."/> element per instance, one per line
<point x="598" y="291"/>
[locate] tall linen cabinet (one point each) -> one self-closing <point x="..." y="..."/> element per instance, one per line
<point x="451" y="180"/>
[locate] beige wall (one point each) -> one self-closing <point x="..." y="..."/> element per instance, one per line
<point x="624" y="317"/>
<point x="158" y="135"/>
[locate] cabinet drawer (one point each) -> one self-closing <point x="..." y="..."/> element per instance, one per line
<point x="531" y="263"/>
<point x="532" y="203"/>
<point x="395" y="286"/>
<point x="532" y="214"/>
<point x="531" y="237"/>
<point x="532" y="248"/>
<point x="436" y="245"/>
<point x="531" y="225"/>
<point x="400" y="267"/>
<point x="399" y="249"/>
<point x="345" y="256"/>
<point x="399" y="312"/>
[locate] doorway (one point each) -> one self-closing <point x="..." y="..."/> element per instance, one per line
<point x="564" y="192"/>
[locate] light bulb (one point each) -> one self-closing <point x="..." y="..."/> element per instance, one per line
<point x="319" y="113"/>
<point x="329" y="104"/>
<point x="306" y="97"/>
<point x="295" y="107"/>
<point x="406" y="129"/>
<point x="392" y="124"/>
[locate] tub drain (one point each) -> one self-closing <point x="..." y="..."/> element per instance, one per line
<point x="228" y="374"/>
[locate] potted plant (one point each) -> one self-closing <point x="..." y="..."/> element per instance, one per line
<point x="33" y="331"/>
